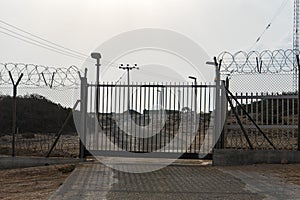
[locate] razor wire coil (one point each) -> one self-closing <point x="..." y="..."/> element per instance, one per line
<point x="254" y="62"/>
<point x="39" y="75"/>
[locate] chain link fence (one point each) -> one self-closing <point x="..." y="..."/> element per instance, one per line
<point x="265" y="87"/>
<point x="44" y="99"/>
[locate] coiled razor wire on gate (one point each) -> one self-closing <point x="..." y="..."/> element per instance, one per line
<point x="39" y="75"/>
<point x="254" y="62"/>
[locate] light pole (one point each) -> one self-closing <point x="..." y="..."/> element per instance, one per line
<point x="195" y="101"/>
<point x="195" y="85"/>
<point x="97" y="56"/>
<point x="128" y="68"/>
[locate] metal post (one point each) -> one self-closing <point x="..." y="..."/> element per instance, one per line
<point x="70" y="115"/>
<point x="179" y="99"/>
<point x="162" y="98"/>
<point x="217" y="96"/>
<point x="83" y="109"/>
<point x="195" y="102"/>
<point x="223" y="114"/>
<point x="14" y="110"/>
<point x="217" y="112"/>
<point x="97" y="56"/>
<point x="298" y="106"/>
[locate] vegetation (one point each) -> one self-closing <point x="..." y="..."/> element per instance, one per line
<point x="35" y="114"/>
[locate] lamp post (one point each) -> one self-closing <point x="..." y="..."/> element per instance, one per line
<point x="97" y="56"/>
<point x="195" y="101"/>
<point x="195" y="85"/>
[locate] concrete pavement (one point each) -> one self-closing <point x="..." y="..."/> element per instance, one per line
<point x="182" y="180"/>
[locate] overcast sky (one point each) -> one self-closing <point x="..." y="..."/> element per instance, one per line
<point x="216" y="25"/>
<point x="83" y="25"/>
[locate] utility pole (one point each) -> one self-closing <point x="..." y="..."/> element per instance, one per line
<point x="128" y="68"/>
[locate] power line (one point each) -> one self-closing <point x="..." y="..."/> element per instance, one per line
<point x="38" y="42"/>
<point x="33" y="35"/>
<point x="39" y="45"/>
<point x="51" y="46"/>
<point x="282" y="6"/>
<point x="46" y="46"/>
<point x="121" y="77"/>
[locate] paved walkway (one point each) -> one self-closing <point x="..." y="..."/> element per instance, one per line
<point x="183" y="180"/>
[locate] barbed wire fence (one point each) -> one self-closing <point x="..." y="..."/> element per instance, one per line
<point x="60" y="86"/>
<point x="266" y="86"/>
<point x="39" y="75"/>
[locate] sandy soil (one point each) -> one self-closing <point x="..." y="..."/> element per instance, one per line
<point x="32" y="182"/>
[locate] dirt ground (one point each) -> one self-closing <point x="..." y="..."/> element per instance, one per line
<point x="32" y="182"/>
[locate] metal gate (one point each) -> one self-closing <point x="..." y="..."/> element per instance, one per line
<point x="148" y="118"/>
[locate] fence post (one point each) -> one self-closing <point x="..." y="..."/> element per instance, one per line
<point x="83" y="111"/>
<point x="224" y="109"/>
<point x="217" y="101"/>
<point x="14" y="110"/>
<point x="298" y="104"/>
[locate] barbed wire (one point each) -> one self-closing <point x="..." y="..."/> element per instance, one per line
<point x="254" y="62"/>
<point x="39" y="75"/>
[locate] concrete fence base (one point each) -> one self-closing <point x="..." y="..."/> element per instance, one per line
<point x="225" y="157"/>
<point x="7" y="162"/>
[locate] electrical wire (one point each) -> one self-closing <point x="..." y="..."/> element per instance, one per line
<point x="46" y="44"/>
<point x="282" y="6"/>
<point x="121" y="78"/>
<point x="40" y="43"/>
<point x="33" y="35"/>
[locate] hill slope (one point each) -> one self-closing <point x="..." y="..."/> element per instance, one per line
<point x="35" y="114"/>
